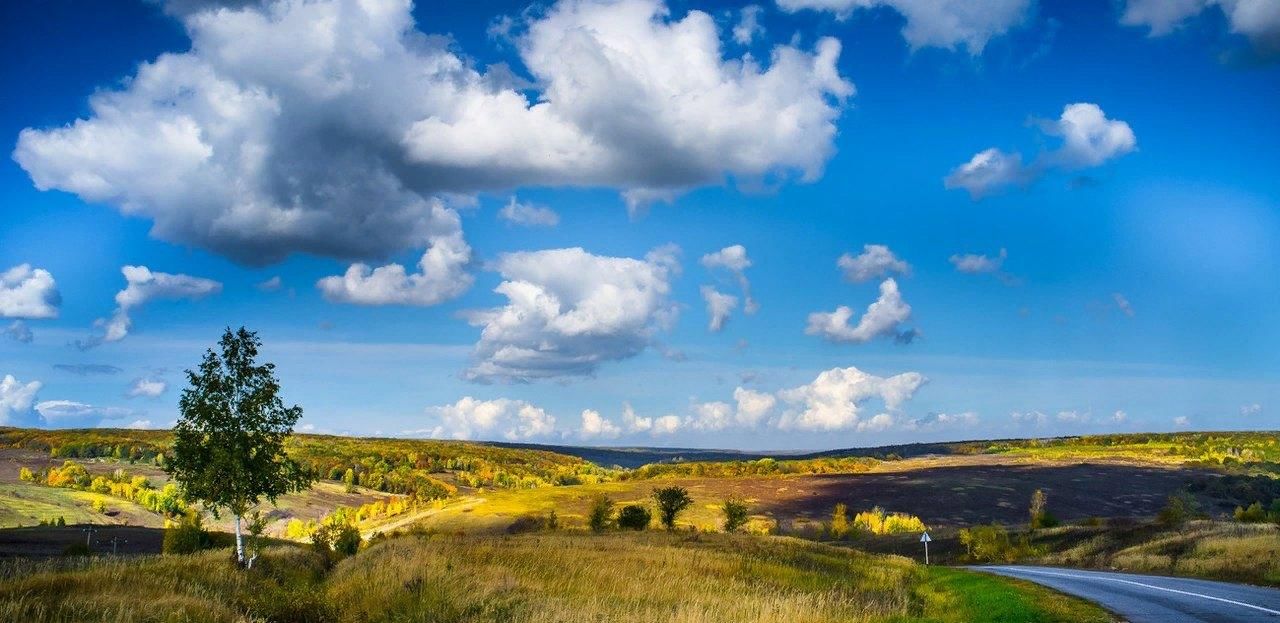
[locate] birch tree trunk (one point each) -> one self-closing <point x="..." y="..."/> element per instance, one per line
<point x="239" y="543"/>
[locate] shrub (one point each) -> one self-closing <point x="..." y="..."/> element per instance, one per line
<point x="26" y="475"/>
<point x="878" y="522"/>
<point x="99" y="506"/>
<point x="671" y="501"/>
<point x="735" y="514"/>
<point x="1180" y="508"/>
<point x="601" y="514"/>
<point x="634" y="517"/>
<point x="1254" y="514"/>
<point x="337" y="535"/>
<point x="840" y="521"/>
<point x="189" y="536"/>
<point x="988" y="544"/>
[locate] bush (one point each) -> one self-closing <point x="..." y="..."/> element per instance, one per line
<point x="601" y="514"/>
<point x="634" y="517"/>
<point x="735" y="514"/>
<point x="188" y="537"/>
<point x="988" y="544"/>
<point x="1254" y="514"/>
<point x="336" y="535"/>
<point x="1180" y="508"/>
<point x="671" y="501"/>
<point x="877" y="521"/>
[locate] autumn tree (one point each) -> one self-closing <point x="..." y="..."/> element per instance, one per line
<point x="228" y="445"/>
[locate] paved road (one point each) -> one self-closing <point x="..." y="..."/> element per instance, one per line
<point x="1156" y="599"/>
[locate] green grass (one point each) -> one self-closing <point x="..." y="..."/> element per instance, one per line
<point x="565" y="577"/>
<point x="981" y="598"/>
<point x="24" y="504"/>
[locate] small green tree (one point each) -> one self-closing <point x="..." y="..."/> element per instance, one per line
<point x="634" y="517"/>
<point x="601" y="514"/>
<point x="736" y="513"/>
<point x="840" y="521"/>
<point x="1180" y="508"/>
<point x="228" y="445"/>
<point x="349" y="480"/>
<point x="671" y="500"/>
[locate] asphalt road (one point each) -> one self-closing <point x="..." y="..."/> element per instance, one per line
<point x="1157" y="599"/>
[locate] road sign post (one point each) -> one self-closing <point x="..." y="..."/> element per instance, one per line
<point x="924" y="538"/>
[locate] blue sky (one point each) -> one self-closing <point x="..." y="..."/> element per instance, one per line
<point x="1122" y="155"/>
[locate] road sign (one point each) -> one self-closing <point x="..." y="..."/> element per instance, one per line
<point x="924" y="538"/>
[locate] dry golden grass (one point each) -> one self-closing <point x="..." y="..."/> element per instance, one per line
<point x="644" y="577"/>
<point x="563" y="577"/>
<point x="201" y="587"/>
<point x="1208" y="549"/>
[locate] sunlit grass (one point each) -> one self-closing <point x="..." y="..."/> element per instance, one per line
<point x="679" y="577"/>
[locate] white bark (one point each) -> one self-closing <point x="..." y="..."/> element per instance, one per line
<point x="239" y="542"/>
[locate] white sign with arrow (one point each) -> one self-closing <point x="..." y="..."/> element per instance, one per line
<point x="924" y="538"/>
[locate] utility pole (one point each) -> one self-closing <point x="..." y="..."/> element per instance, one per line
<point x="88" y="535"/>
<point x="115" y="543"/>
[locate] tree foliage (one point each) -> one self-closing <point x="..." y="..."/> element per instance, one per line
<point x="228" y="445"/>
<point x="601" y="514"/>
<point x="671" y="501"/>
<point x="735" y="512"/>
<point x="634" y="517"/>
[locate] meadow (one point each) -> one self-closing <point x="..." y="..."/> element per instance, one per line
<point x="551" y="576"/>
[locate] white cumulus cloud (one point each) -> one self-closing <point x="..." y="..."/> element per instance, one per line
<point x="935" y="23"/>
<point x="735" y="261"/>
<point x="881" y="319"/>
<point x="719" y="307"/>
<point x="753" y="407"/>
<point x="748" y="26"/>
<point x="143" y="286"/>
<point x="16" y="399"/>
<point x="876" y="261"/>
<point x="528" y="215"/>
<point x="1089" y="139"/>
<point x="976" y="264"/>
<point x="472" y="418"/>
<point x="596" y="426"/>
<point x="1258" y="20"/>
<point x="442" y="275"/>
<point x="27" y="292"/>
<point x="833" y="401"/>
<point x="331" y="127"/>
<point x="568" y="311"/>
<point x="147" y="388"/>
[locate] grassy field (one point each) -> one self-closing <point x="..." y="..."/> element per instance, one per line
<point x="964" y="491"/>
<point x="569" y="577"/>
<point x="24" y="504"/>
<point x="1207" y="549"/>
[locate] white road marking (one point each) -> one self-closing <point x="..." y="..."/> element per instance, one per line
<point x="1150" y="586"/>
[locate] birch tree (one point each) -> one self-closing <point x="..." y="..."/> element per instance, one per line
<point x="228" y="445"/>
